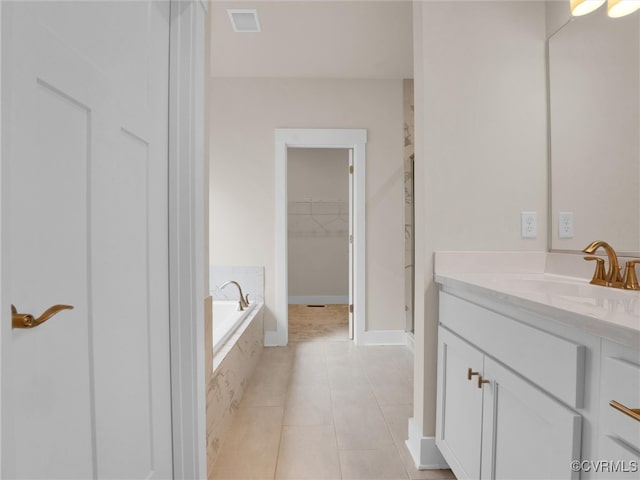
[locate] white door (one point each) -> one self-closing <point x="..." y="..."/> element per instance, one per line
<point x="84" y="222"/>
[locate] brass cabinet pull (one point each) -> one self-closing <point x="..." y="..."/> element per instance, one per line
<point x="471" y="373"/>
<point x="26" y="320"/>
<point x="481" y="381"/>
<point x="632" y="412"/>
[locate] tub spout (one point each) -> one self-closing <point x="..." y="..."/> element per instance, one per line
<point x="243" y="302"/>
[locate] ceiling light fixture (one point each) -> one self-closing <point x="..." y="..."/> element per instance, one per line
<point x="244" y="20"/>
<point x="615" y="8"/>
<point x="620" y="8"/>
<point x="582" y="7"/>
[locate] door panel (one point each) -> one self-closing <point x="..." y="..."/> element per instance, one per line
<point x="84" y="185"/>
<point x="47" y="258"/>
<point x="116" y="41"/>
<point x="526" y="433"/>
<point x="459" y="407"/>
<point x="122" y="320"/>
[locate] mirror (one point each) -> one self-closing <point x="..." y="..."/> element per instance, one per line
<point x="594" y="85"/>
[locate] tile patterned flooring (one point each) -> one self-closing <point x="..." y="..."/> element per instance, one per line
<point x="323" y="408"/>
<point x="318" y="323"/>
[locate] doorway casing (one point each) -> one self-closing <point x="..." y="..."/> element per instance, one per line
<point x="354" y="139"/>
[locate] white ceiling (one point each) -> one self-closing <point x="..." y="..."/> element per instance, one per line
<point x="315" y="39"/>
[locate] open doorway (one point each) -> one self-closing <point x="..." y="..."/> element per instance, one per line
<point x="353" y="142"/>
<point x="318" y="243"/>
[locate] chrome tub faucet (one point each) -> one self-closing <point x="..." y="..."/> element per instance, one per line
<point x="243" y="302"/>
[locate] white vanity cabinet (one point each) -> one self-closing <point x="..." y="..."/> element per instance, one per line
<point x="506" y="404"/>
<point x="619" y="436"/>
<point x="459" y="407"/>
<point x="526" y="433"/>
<point x="555" y="352"/>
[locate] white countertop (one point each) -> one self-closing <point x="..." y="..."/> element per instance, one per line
<point x="605" y="312"/>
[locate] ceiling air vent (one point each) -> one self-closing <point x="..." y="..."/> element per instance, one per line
<point x="244" y="20"/>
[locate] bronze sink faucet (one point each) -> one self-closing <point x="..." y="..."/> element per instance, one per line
<point x="612" y="278"/>
<point x="630" y="279"/>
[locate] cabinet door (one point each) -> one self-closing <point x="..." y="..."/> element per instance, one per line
<point x="526" y="433"/>
<point x="619" y="438"/>
<point x="621" y="384"/>
<point x="459" y="407"/>
<point x="622" y="460"/>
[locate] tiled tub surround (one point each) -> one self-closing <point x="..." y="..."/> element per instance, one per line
<point x="547" y="353"/>
<point x="233" y="365"/>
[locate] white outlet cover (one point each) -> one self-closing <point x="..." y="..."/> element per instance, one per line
<point x="565" y="224"/>
<point x="529" y="224"/>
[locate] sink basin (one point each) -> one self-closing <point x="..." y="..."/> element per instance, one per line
<point x="602" y="311"/>
<point x="565" y="291"/>
<point x="571" y="288"/>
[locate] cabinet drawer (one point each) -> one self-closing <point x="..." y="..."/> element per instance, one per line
<point x="553" y="363"/>
<point x="621" y="383"/>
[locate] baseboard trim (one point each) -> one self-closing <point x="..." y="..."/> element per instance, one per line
<point x="319" y="300"/>
<point x="424" y="451"/>
<point x="382" y="337"/>
<point x="373" y="337"/>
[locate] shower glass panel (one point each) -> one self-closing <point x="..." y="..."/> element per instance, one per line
<point x="409" y="211"/>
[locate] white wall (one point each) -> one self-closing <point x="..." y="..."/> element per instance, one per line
<point x="557" y="14"/>
<point x="244" y="114"/>
<point x="318" y="216"/>
<point x="481" y="147"/>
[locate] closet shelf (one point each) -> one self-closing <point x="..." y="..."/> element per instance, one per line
<point x="318" y="218"/>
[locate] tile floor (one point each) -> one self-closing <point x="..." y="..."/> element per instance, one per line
<point x="322" y="408"/>
<point x="318" y="323"/>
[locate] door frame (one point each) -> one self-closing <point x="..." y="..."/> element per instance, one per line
<point x="355" y="139"/>
<point x="188" y="228"/>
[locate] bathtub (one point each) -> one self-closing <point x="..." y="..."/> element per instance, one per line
<point x="226" y="320"/>
<point x="238" y="345"/>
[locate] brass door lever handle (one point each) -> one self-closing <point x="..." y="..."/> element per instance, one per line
<point x="632" y="412"/>
<point x="26" y="320"/>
